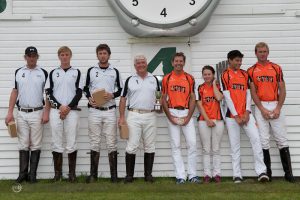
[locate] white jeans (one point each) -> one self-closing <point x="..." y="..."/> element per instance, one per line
<point x="141" y="126"/>
<point x="277" y="126"/>
<point x="102" y="124"/>
<point x="189" y="133"/>
<point x="234" y="137"/>
<point x="211" y="140"/>
<point x="68" y="127"/>
<point x="30" y="130"/>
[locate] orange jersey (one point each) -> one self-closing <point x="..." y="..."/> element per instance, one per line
<point x="210" y="104"/>
<point x="178" y="88"/>
<point x="266" y="79"/>
<point x="236" y="82"/>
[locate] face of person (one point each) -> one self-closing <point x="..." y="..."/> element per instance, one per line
<point x="178" y="63"/>
<point x="141" y="66"/>
<point x="208" y="76"/>
<point x="235" y="63"/>
<point x="65" y="58"/>
<point x="103" y="56"/>
<point x="31" y="60"/>
<point x="262" y="54"/>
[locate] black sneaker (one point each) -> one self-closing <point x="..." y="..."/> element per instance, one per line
<point x="237" y="180"/>
<point x="263" y="177"/>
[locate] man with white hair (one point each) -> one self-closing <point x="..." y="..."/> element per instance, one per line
<point x="140" y="90"/>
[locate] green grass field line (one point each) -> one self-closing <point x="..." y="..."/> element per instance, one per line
<point x="163" y="188"/>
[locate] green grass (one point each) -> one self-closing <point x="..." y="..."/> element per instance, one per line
<point x="163" y="188"/>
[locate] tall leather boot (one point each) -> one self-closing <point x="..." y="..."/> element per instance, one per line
<point x="34" y="161"/>
<point x="286" y="164"/>
<point x="94" y="167"/>
<point x="267" y="161"/>
<point x="113" y="163"/>
<point x="23" y="166"/>
<point x="130" y="162"/>
<point x="72" y="166"/>
<point x="148" y="165"/>
<point x="58" y="160"/>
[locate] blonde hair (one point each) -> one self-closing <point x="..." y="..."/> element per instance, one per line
<point x="139" y="57"/>
<point x="64" y="49"/>
<point x="260" y="45"/>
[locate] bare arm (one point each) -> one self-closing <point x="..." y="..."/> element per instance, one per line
<point x="265" y="113"/>
<point x="45" y="118"/>
<point x="11" y="105"/>
<point x="192" y="105"/>
<point x="122" y="106"/>
<point x="281" y="99"/>
<point x="218" y="95"/>
<point x="201" y="109"/>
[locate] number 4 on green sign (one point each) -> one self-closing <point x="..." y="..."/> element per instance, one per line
<point x="2" y="5"/>
<point x="165" y="56"/>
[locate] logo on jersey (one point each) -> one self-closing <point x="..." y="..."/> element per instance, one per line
<point x="265" y="79"/>
<point x="236" y="86"/>
<point x="57" y="74"/>
<point x="178" y="88"/>
<point x="23" y="75"/>
<point x="209" y="99"/>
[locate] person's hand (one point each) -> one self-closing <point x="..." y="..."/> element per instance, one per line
<point x="64" y="111"/>
<point x="186" y="120"/>
<point x="9" y="118"/>
<point x="266" y="113"/>
<point x="238" y="120"/>
<point x="275" y="113"/>
<point x="45" y="117"/>
<point x="215" y="81"/>
<point x="246" y="117"/>
<point x="108" y="96"/>
<point x="210" y="123"/>
<point x="173" y="120"/>
<point x="92" y="102"/>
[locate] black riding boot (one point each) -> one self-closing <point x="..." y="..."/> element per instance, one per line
<point x="130" y="162"/>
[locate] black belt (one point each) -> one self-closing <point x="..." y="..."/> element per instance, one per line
<point x="179" y="108"/>
<point x="28" y="110"/>
<point x="105" y="108"/>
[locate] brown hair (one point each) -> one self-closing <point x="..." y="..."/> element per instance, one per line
<point x="260" y="45"/>
<point x="64" y="49"/>
<point x="178" y="54"/>
<point x="208" y="67"/>
<point x="101" y="47"/>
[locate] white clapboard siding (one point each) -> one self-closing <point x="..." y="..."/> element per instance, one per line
<point x="82" y="25"/>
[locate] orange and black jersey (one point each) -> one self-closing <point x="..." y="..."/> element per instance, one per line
<point x="210" y="104"/>
<point x="237" y="83"/>
<point x="178" y="88"/>
<point x="266" y="79"/>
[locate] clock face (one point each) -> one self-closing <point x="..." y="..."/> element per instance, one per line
<point x="158" y="18"/>
<point x="163" y="11"/>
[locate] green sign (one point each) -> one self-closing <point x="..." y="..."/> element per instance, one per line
<point x="164" y="56"/>
<point x="2" y="5"/>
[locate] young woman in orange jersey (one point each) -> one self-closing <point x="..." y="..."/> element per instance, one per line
<point x="268" y="93"/>
<point x="235" y="84"/>
<point x="211" y="125"/>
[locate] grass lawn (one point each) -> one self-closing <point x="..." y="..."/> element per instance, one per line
<point x="163" y="188"/>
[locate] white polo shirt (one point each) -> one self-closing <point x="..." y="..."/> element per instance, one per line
<point x="141" y="92"/>
<point x="64" y="84"/>
<point x="108" y="79"/>
<point x="30" y="84"/>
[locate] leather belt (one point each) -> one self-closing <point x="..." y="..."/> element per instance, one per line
<point x="178" y="108"/>
<point x="28" y="110"/>
<point x="105" y="108"/>
<point x="140" y="110"/>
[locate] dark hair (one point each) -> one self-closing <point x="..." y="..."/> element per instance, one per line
<point x="178" y="54"/>
<point x="233" y="54"/>
<point x="208" y="67"/>
<point x="101" y="47"/>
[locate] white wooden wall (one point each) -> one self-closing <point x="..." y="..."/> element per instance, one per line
<point x="82" y="25"/>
